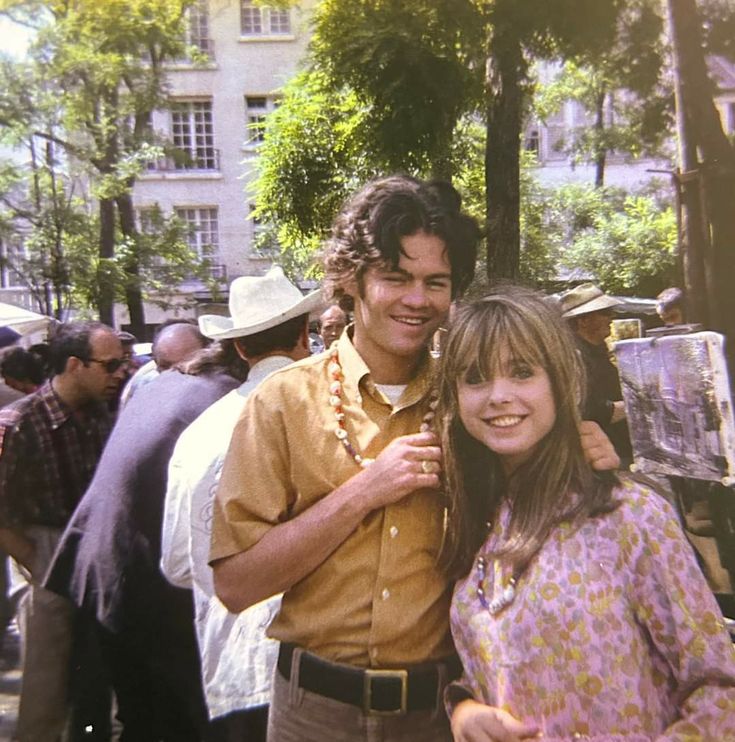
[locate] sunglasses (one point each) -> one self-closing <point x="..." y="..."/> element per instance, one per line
<point x="110" y="366"/>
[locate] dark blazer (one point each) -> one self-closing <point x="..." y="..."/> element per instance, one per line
<point x="107" y="562"/>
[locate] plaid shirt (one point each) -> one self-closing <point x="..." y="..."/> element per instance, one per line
<point x="48" y="455"/>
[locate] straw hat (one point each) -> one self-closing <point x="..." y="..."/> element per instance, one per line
<point x="584" y="299"/>
<point x="258" y="303"/>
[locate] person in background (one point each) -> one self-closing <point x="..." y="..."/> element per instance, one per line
<point x="22" y="373"/>
<point x="670" y="306"/>
<point x="173" y="342"/>
<point x="580" y="610"/>
<point x="50" y="444"/>
<point x="108" y="558"/>
<point x="8" y="338"/>
<point x="332" y="323"/>
<point x="589" y="313"/>
<point x="269" y="326"/>
<point x="21" y="370"/>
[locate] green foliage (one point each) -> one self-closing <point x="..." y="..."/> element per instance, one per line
<point x="628" y="99"/>
<point x="413" y="66"/>
<point x="312" y="157"/>
<point x="93" y="75"/>
<point x="627" y="241"/>
<point x="161" y="253"/>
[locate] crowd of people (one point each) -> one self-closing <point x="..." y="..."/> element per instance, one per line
<point x="245" y="539"/>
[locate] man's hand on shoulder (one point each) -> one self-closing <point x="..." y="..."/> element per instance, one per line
<point x="598" y="450"/>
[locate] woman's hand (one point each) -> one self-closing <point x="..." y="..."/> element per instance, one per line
<point x="475" y="722"/>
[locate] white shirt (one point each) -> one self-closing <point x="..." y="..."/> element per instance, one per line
<point x="237" y="658"/>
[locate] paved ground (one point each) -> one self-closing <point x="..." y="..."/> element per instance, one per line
<point x="9" y="682"/>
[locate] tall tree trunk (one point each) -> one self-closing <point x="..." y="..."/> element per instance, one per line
<point x="57" y="268"/>
<point x="106" y="292"/>
<point x="600" y="149"/>
<point x="133" y="294"/>
<point x="705" y="142"/>
<point x="505" y="73"/>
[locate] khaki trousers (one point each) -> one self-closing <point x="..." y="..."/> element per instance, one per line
<point x="45" y="622"/>
<point x="297" y="715"/>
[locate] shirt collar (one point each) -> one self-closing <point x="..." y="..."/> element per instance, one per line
<point x="58" y="411"/>
<point x="354" y="370"/>
<point x="267" y="366"/>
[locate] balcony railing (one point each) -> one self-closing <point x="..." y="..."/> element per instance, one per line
<point x="204" y="159"/>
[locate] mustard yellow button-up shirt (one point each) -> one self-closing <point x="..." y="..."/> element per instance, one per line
<point x="379" y="600"/>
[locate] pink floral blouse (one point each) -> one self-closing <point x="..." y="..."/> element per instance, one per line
<point x="613" y="634"/>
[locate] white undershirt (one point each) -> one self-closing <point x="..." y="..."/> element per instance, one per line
<point x="392" y="392"/>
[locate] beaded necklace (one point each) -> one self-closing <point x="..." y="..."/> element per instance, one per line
<point x="504" y="591"/>
<point x="335" y="400"/>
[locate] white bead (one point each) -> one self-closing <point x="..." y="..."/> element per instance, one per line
<point x="335" y="388"/>
<point x="341" y="433"/>
<point x="335" y="401"/>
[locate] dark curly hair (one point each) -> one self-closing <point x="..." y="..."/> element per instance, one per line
<point x="369" y="229"/>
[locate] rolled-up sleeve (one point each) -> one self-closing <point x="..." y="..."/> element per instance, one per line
<point x="255" y="491"/>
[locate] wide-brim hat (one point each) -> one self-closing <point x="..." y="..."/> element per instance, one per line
<point x="258" y="303"/>
<point x="584" y="299"/>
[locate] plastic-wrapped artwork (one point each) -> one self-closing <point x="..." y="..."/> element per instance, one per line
<point x="678" y="404"/>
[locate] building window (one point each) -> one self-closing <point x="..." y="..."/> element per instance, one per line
<point x="532" y="142"/>
<point x="280" y="21"/>
<point x="256" y="20"/>
<point x="148" y="217"/>
<point x="192" y="131"/>
<point x="12" y="257"/>
<point x="198" y="32"/>
<point x="257" y="107"/>
<point x="203" y="232"/>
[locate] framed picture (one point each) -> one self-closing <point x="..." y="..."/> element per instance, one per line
<point x="678" y="404"/>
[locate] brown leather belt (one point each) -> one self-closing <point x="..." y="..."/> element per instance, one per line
<point x="374" y="691"/>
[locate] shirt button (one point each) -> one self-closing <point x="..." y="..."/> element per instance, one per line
<point x="393" y="531"/>
<point x="385" y="594"/>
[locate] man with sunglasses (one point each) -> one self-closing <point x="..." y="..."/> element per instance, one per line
<point x="50" y="443"/>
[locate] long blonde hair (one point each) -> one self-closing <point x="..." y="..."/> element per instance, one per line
<point x="556" y="483"/>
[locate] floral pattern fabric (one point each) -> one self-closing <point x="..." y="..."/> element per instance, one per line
<point x="613" y="634"/>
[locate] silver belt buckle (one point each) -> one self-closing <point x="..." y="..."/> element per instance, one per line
<point x="367" y="692"/>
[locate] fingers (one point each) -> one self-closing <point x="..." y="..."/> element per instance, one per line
<point x="428" y="438"/>
<point x="598" y="450"/>
<point x="475" y="722"/>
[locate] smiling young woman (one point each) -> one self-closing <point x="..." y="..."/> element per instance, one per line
<point x="580" y="610"/>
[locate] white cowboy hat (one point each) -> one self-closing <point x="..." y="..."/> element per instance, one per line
<point x="258" y="303"/>
<point x="584" y="299"/>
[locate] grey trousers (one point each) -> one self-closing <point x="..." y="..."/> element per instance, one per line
<point x="45" y="621"/>
<point x="297" y="715"/>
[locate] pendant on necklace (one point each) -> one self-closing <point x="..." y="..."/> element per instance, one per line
<point x="503" y="594"/>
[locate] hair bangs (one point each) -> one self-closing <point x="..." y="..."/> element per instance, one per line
<point x="497" y="325"/>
